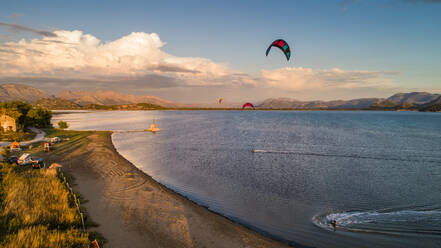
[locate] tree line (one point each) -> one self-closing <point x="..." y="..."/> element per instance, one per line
<point x="25" y="115"/>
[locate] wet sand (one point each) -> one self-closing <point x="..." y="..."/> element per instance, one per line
<point x="133" y="210"/>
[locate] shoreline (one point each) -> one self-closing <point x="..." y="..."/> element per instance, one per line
<point x="134" y="210"/>
<point x="58" y="111"/>
<point x="232" y="219"/>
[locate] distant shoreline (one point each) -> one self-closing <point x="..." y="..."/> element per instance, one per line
<point x="113" y="100"/>
<point x="238" y="109"/>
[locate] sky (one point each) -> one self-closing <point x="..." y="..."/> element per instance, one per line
<point x="198" y="51"/>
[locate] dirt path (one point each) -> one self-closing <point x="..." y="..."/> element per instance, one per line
<point x="135" y="211"/>
<point x="39" y="137"/>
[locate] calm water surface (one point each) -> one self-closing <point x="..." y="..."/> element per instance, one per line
<point x="288" y="173"/>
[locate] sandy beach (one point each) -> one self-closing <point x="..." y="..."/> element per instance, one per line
<point x="133" y="210"/>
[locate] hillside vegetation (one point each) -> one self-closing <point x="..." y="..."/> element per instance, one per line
<point x="433" y="106"/>
<point x="138" y="106"/>
<point x="390" y="105"/>
<point x="56" y="103"/>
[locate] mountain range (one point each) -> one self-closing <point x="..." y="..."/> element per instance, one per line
<point x="399" y="99"/>
<point x="75" y="99"/>
<point x="22" y="92"/>
<point x="287" y="103"/>
<point x="81" y="99"/>
<point x="107" y="97"/>
<point x="414" y="98"/>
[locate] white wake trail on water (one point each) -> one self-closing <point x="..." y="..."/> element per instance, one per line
<point x="405" y="221"/>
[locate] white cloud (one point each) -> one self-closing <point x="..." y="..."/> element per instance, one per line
<point x="300" y="78"/>
<point x="73" y="54"/>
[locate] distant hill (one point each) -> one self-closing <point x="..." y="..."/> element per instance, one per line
<point x="286" y="103"/>
<point x="421" y="101"/>
<point x="108" y="97"/>
<point x="133" y="106"/>
<point x="22" y="92"/>
<point x="76" y="99"/>
<point x="433" y="106"/>
<point x="413" y="97"/>
<point x="390" y="105"/>
<point x="56" y="103"/>
<point x="274" y="103"/>
<point x="397" y="101"/>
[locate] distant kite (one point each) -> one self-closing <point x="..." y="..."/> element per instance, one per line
<point x="247" y="105"/>
<point x="220" y="100"/>
<point x="282" y="45"/>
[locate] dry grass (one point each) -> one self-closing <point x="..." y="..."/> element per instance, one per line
<point x="37" y="197"/>
<point x="41" y="237"/>
<point x="36" y="210"/>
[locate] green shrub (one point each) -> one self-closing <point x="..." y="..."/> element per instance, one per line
<point x="5" y="151"/>
<point x="18" y="136"/>
<point x="62" y="125"/>
<point x="17" y="110"/>
<point x="39" y="117"/>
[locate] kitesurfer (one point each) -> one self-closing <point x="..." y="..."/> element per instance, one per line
<point x="334" y="224"/>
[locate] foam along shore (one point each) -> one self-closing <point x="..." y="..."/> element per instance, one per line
<point x="133" y="210"/>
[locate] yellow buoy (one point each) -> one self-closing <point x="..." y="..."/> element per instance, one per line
<point x="153" y="128"/>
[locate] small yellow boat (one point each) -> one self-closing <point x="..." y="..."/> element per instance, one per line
<point x="153" y="128"/>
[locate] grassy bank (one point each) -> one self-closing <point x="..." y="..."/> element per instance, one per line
<point x="36" y="210"/>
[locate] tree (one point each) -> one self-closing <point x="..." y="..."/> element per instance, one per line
<point x="39" y="117"/>
<point x="17" y="110"/>
<point x="12" y="112"/>
<point x="62" y="125"/>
